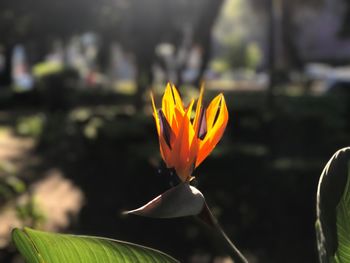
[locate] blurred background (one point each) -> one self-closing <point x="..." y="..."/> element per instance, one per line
<point x="77" y="140"/>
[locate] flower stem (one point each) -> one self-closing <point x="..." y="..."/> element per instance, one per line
<point x="235" y="250"/>
<point x="207" y="216"/>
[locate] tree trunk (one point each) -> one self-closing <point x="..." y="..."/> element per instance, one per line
<point x="271" y="53"/>
<point x="5" y="76"/>
<point x="203" y="33"/>
<point x="289" y="37"/>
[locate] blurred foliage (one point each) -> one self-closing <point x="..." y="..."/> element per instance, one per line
<point x="253" y="54"/>
<point x="126" y="87"/>
<point x="233" y="32"/>
<point x="219" y="65"/>
<point x="31" y="125"/>
<point x="91" y="128"/>
<point x="38" y="25"/>
<point x="242" y="55"/>
<point x="10" y="185"/>
<point x="43" y="69"/>
<point x="7" y="168"/>
<point x="29" y="212"/>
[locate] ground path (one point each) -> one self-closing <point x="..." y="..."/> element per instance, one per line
<point x="56" y="198"/>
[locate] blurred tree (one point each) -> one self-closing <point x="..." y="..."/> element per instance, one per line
<point x="149" y="23"/>
<point x="283" y="53"/>
<point x="139" y="25"/>
<point x="204" y="29"/>
<point x="345" y="29"/>
<point x="238" y="35"/>
<point x="283" y="30"/>
<point x="37" y="23"/>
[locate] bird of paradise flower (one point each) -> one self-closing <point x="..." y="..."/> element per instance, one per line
<point x="184" y="144"/>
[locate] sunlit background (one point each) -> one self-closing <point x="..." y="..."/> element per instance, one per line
<point x="77" y="140"/>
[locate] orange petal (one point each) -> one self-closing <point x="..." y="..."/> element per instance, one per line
<point x="165" y="152"/>
<point x="155" y="114"/>
<point x="177" y="98"/>
<point x="176" y="121"/>
<point x="179" y="115"/>
<point x="168" y="104"/>
<point x="212" y="110"/>
<point x="215" y="130"/>
<point x="182" y="148"/>
<point x="189" y="109"/>
<point x="199" y="107"/>
<point x="171" y="100"/>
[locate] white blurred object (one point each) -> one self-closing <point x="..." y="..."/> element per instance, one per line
<point x="326" y="78"/>
<point x="193" y="64"/>
<point x="20" y="72"/>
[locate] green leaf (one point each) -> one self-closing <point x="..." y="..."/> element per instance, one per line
<point x="333" y="209"/>
<point x="42" y="247"/>
<point x="343" y="225"/>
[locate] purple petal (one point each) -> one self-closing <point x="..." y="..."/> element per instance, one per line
<point x="165" y="129"/>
